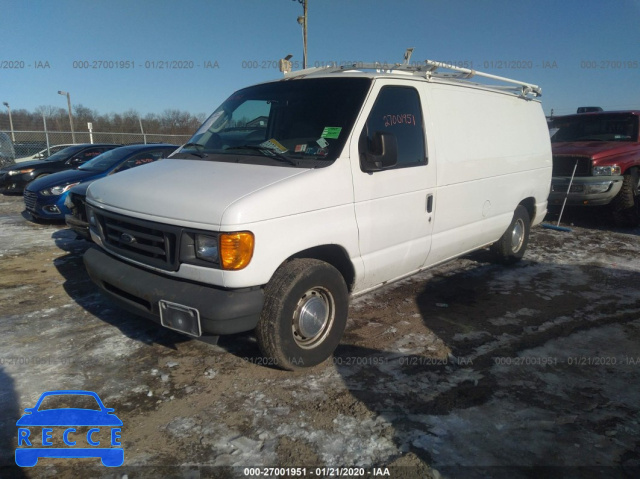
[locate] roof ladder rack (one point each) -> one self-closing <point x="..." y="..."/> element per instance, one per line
<point x="427" y="69"/>
<point x="467" y="73"/>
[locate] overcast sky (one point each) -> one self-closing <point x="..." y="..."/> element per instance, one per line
<point x="581" y="52"/>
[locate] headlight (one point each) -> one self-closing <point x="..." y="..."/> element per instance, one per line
<point x="207" y="248"/>
<point x="57" y="190"/>
<point x="20" y="172"/>
<point x="613" y="170"/>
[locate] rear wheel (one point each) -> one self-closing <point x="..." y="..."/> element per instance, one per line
<point x="511" y="246"/>
<point x="624" y="207"/>
<point x="304" y="314"/>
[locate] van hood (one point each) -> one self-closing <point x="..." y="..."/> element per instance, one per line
<point x="187" y="192"/>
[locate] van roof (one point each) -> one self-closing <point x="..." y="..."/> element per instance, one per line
<point x="426" y="71"/>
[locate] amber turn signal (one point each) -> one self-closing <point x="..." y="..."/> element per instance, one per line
<point x="236" y="250"/>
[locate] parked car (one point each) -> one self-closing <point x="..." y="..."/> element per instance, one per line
<point x="7" y="153"/>
<point x="601" y="151"/>
<point x="588" y="109"/>
<point x="349" y="180"/>
<point x="117" y="160"/>
<point x="13" y="179"/>
<point x="28" y="148"/>
<point x="45" y="153"/>
<point x="45" y="197"/>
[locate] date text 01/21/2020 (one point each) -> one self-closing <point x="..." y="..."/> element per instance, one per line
<point x="316" y="472"/>
<point x="570" y="361"/>
<point x="147" y="64"/>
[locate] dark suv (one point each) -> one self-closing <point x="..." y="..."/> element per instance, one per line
<point x="13" y="179"/>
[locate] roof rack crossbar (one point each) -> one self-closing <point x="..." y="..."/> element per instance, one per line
<point x="534" y="89"/>
<point x="428" y="70"/>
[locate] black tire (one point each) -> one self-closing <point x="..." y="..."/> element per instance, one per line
<point x="511" y="246"/>
<point x="301" y="291"/>
<point x="624" y="207"/>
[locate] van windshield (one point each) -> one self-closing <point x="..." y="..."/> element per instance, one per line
<point x="597" y="127"/>
<point x="286" y="122"/>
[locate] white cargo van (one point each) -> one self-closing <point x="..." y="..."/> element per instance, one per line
<point x="299" y="193"/>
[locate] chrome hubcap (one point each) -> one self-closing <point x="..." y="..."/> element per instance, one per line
<point x="517" y="236"/>
<point x="313" y="317"/>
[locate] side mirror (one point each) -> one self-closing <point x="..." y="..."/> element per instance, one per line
<point x="381" y="153"/>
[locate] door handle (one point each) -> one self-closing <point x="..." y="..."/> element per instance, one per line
<point x="429" y="203"/>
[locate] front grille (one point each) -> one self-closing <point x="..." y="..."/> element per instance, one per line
<point x="563" y="165"/>
<point x="150" y="243"/>
<point x="30" y="199"/>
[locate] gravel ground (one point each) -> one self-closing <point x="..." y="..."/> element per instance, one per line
<point x="468" y="370"/>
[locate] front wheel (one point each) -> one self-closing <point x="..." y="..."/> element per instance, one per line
<point x="304" y="314"/>
<point x="511" y="246"/>
<point x="624" y="207"/>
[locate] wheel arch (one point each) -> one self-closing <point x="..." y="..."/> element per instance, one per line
<point x="333" y="254"/>
<point x="530" y="205"/>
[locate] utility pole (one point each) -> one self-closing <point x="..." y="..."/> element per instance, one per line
<point x="303" y="21"/>
<point x="73" y="133"/>
<point x="13" y="136"/>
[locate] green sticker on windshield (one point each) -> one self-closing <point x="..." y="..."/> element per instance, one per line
<point x="332" y="132"/>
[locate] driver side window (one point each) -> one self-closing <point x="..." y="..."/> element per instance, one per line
<point x="398" y="111"/>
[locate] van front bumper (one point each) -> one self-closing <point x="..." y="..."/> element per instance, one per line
<point x="222" y="311"/>
<point x="585" y="190"/>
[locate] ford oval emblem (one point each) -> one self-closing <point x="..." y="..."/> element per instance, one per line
<point x="127" y="238"/>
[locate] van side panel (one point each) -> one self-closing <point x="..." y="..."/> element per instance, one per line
<point x="492" y="151"/>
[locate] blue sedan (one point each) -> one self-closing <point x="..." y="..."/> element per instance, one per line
<point x="44" y="198"/>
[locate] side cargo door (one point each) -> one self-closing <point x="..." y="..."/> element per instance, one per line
<point x="394" y="207"/>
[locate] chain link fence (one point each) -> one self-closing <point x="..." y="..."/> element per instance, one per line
<point x="27" y="142"/>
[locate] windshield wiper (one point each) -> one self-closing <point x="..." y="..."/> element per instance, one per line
<point x="198" y="148"/>
<point x="266" y="152"/>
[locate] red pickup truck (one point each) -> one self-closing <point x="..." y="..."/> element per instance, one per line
<point x="603" y="149"/>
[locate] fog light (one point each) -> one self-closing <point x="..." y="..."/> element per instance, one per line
<point x="51" y="209"/>
<point x="597" y="187"/>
